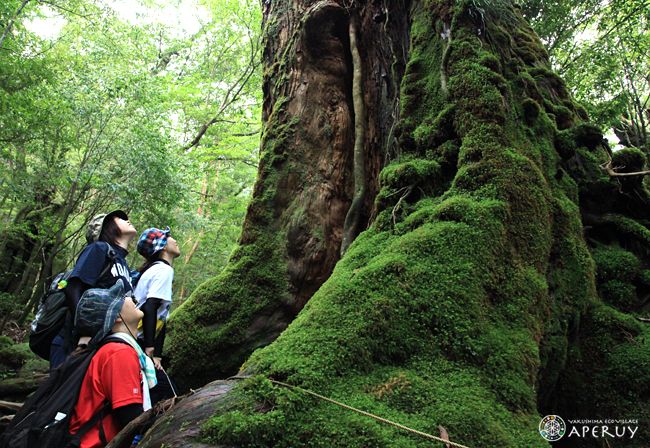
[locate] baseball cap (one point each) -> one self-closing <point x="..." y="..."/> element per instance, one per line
<point x="96" y="224"/>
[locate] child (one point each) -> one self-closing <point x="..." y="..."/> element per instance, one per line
<point x="154" y="295"/>
<point x="116" y="370"/>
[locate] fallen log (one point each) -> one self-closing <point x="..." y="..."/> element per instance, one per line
<point x="5" y="421"/>
<point x="9" y="407"/>
<point x="180" y="427"/>
<point x="22" y="386"/>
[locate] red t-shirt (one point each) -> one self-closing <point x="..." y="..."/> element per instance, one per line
<point x="114" y="375"/>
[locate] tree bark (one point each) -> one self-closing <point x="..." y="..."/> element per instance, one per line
<point x="500" y="265"/>
<point x="291" y="239"/>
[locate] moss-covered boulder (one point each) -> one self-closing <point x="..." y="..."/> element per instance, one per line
<point x="13" y="357"/>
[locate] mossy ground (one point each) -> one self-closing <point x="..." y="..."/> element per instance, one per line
<point x="474" y="301"/>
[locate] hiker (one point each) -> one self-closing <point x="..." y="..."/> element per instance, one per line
<point x="104" y="232"/>
<point x="153" y="291"/>
<point x="116" y="370"/>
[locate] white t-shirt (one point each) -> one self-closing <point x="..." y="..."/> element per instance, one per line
<point x="156" y="283"/>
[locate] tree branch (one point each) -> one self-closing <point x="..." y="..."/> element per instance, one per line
<point x="246" y="134"/>
<point x="67" y="10"/>
<point x="607" y="33"/>
<point x="165" y="58"/>
<point x="11" y="22"/>
<point x="608" y="167"/>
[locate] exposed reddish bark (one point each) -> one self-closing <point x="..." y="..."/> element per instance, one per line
<point x="305" y="183"/>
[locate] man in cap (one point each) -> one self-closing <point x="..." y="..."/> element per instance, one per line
<point x="112" y="229"/>
<point x="116" y="370"/>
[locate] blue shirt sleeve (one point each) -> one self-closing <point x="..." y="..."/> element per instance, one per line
<point x="90" y="263"/>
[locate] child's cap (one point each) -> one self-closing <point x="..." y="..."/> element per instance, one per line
<point x="152" y="240"/>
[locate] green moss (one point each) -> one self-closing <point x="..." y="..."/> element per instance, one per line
<point x="490" y="61"/>
<point x="599" y="377"/>
<point x="6" y="341"/>
<point x="615" y="263"/>
<point x="34" y="366"/>
<point x="629" y="160"/>
<point x="584" y="135"/>
<point x="618" y="294"/>
<point x="474" y="306"/>
<point x="252" y="283"/>
<point x="13" y="357"/>
<point x="434" y="132"/>
<point x="563" y="117"/>
<point x="420" y="93"/>
<point x="409" y="173"/>
<point x="531" y="111"/>
<point x="582" y="112"/>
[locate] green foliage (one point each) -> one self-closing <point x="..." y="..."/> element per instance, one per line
<point x="601" y="49"/>
<point x="101" y="117"/>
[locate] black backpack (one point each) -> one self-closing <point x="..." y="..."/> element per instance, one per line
<point x="52" y="310"/>
<point x="44" y="419"/>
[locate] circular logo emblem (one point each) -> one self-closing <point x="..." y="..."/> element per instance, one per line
<point x="552" y="428"/>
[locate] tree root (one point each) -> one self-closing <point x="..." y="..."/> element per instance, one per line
<point x="125" y="437"/>
<point x="444" y="77"/>
<point x="360" y="188"/>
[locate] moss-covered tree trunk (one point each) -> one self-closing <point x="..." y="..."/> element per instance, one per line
<point x="500" y="272"/>
<point x="294" y="226"/>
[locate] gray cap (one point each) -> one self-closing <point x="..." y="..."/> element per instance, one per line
<point x="96" y="224"/>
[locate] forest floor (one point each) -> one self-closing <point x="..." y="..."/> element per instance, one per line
<point x="21" y="371"/>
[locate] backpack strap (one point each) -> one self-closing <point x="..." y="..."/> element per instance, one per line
<point x="103" y="412"/>
<point x="110" y="255"/>
<point x="98" y="417"/>
<point x="110" y="252"/>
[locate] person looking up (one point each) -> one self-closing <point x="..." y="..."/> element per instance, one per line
<point x="119" y="374"/>
<point x="112" y="229"/>
<point x="153" y="292"/>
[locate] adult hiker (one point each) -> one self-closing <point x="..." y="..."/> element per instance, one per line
<point x="104" y="230"/>
<point x="119" y="374"/>
<point x="153" y="292"/>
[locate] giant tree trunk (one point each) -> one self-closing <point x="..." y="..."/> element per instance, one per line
<point x="496" y="277"/>
<point x="292" y="234"/>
